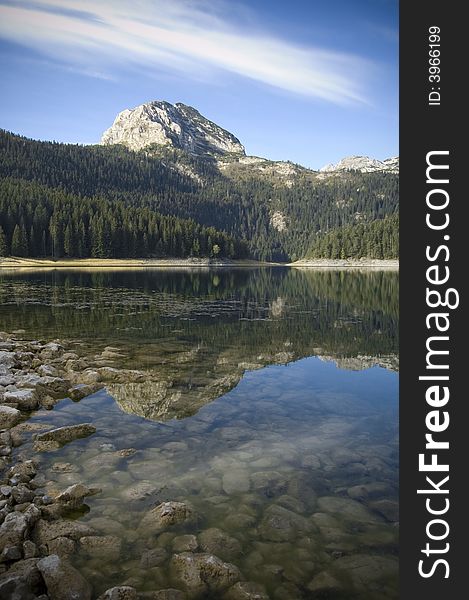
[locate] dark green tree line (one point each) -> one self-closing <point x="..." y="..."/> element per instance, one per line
<point x="40" y="221"/>
<point x="378" y="239"/>
<point x="237" y="201"/>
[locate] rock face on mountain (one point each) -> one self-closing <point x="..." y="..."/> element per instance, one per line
<point x="177" y="125"/>
<point x="364" y="164"/>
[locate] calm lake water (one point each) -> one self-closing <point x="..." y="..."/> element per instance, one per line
<point x="270" y="405"/>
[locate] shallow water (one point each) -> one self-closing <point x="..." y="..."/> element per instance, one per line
<point x="271" y="407"/>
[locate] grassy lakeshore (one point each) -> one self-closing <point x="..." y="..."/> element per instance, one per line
<point x="19" y="262"/>
<point x="13" y="262"/>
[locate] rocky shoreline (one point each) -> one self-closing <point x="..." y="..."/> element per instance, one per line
<point x="48" y="553"/>
<point x="38" y="534"/>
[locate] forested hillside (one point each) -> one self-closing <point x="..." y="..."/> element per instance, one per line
<point x="244" y="204"/>
<point x="378" y="239"/>
<point x="40" y="221"/>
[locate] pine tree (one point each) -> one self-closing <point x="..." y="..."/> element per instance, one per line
<point x="3" y="243"/>
<point x="19" y="242"/>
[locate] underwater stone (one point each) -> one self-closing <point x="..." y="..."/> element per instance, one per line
<point x="165" y="515"/>
<point x="215" y="541"/>
<point x="236" y="482"/>
<point x="202" y="573"/>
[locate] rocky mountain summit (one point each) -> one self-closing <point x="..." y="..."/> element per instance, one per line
<point x="364" y="164"/>
<point x="182" y="127"/>
<point x="178" y="126"/>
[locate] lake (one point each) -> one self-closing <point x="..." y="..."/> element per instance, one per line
<point x="269" y="406"/>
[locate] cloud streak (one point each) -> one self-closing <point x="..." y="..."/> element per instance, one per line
<point x="181" y="35"/>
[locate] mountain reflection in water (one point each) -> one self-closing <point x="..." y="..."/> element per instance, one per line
<point x="268" y="404"/>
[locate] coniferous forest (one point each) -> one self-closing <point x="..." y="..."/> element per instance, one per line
<point x="378" y="239"/>
<point x="65" y="200"/>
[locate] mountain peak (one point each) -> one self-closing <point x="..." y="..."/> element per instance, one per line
<point x="177" y="125"/>
<point x="365" y="164"/>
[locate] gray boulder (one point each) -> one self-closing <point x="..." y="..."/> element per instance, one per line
<point x="63" y="581"/>
<point x="64" y="435"/>
<point x="9" y="417"/>
<point x="74" y="495"/>
<point x="122" y="592"/>
<point x="25" y="399"/>
<point x="13" y="529"/>
<point x="200" y="574"/>
<point x="165" y="515"/>
<point x="46" y="531"/>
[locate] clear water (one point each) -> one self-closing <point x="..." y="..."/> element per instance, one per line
<point x="270" y="406"/>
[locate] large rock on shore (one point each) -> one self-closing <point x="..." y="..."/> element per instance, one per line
<point x="24" y="399"/>
<point x="9" y="417"/>
<point x="80" y="391"/>
<point x="45" y="531"/>
<point x="13" y="529"/>
<point x="22" y="581"/>
<point x="7" y="359"/>
<point x="63" y="581"/>
<point x="63" y="435"/>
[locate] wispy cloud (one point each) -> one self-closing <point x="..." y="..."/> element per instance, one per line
<point x="179" y="35"/>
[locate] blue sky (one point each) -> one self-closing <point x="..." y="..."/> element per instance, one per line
<point x="310" y="81"/>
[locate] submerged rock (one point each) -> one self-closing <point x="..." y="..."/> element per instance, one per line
<point x="165" y="515"/>
<point x="270" y="483"/>
<point x="324" y="583"/>
<point x="63" y="581"/>
<point x="185" y="543"/>
<point x="364" y="569"/>
<point x="73" y="496"/>
<point x="347" y="509"/>
<point x="236" y="482"/>
<point x="153" y="558"/>
<point x="123" y="592"/>
<point x="215" y="541"/>
<point x="168" y="594"/>
<point x="281" y="525"/>
<point x="246" y="590"/>
<point x="139" y="491"/>
<point x="389" y="509"/>
<point x="104" y="546"/>
<point x="202" y="573"/>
